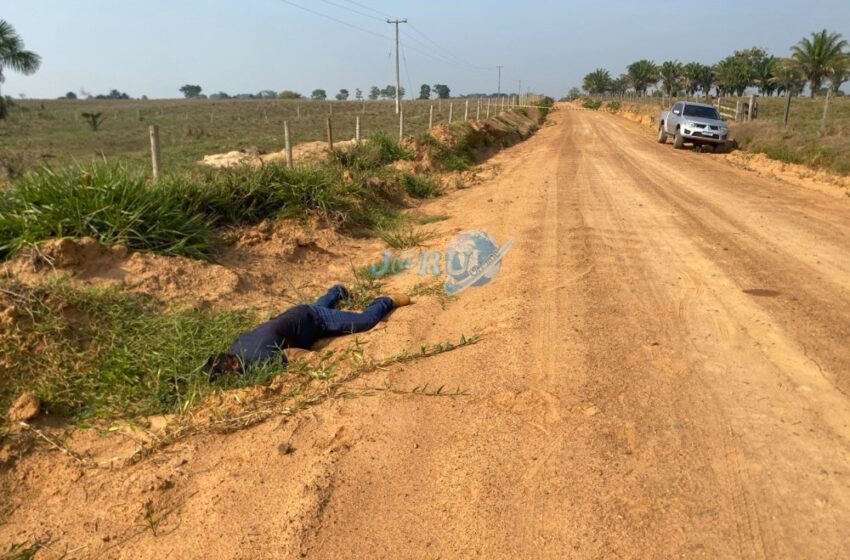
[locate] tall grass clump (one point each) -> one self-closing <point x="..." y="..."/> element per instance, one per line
<point x="379" y="149"/>
<point x="96" y="352"/>
<point x="247" y="195"/>
<point x="460" y="156"/>
<point x="106" y="201"/>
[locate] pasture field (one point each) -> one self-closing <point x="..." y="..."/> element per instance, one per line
<point x="54" y="132"/>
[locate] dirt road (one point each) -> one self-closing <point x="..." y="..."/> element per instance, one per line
<point x="663" y="373"/>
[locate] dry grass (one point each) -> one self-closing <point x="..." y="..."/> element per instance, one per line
<point x="54" y="132"/>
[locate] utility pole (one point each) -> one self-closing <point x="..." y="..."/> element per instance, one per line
<point x="519" y="93"/>
<point x="499" y="88"/>
<point x="397" y="76"/>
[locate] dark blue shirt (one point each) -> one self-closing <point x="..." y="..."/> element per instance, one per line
<point x="297" y="327"/>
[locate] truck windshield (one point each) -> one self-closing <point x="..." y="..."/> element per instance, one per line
<point x="699" y="111"/>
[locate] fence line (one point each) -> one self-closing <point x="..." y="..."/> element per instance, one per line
<point x="503" y="103"/>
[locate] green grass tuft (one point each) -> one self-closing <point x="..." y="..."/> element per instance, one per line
<point x="95" y="352"/>
<point x="106" y="201"/>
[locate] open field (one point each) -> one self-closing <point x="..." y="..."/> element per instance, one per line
<point x="800" y="143"/>
<point x="53" y="132"/>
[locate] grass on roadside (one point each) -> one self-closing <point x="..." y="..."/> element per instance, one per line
<point x="96" y="352"/>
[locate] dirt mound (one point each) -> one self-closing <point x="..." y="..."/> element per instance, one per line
<point x="306" y="152"/>
<point x="88" y="262"/>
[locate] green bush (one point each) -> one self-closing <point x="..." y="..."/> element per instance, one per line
<point x="379" y="149"/>
<point x="613" y="106"/>
<point x="591" y="104"/>
<point x="107" y="202"/>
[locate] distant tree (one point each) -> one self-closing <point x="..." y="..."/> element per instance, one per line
<point x="70" y="95"/>
<point x="14" y="56"/>
<point x="289" y="94"/>
<point x="573" y="94"/>
<point x="424" y="91"/>
<point x="733" y="75"/>
<point x="374" y="93"/>
<point x="764" y="70"/>
<point x="597" y="82"/>
<point x="691" y="73"/>
<point x="358" y="94"/>
<point x="839" y="72"/>
<point x="219" y="95"/>
<point x="190" y="92"/>
<point x="817" y="55"/>
<point x="670" y="73"/>
<point x="319" y="95"/>
<point x="619" y="85"/>
<point x="342" y="95"/>
<point x="266" y="94"/>
<point x="642" y="74"/>
<point x="788" y="77"/>
<point x="144" y="98"/>
<point x="442" y="91"/>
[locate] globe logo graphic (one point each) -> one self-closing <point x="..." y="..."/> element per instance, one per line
<point x="473" y="258"/>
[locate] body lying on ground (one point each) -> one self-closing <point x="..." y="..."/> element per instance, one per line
<point x="300" y="327"/>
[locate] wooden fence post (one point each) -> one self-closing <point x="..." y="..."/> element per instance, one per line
<point x="431" y="116"/>
<point x="298" y="112"/>
<point x="155" y="152"/>
<point x="478" y="110"/>
<point x="825" y="109"/>
<point x="401" y="122"/>
<point x="330" y="135"/>
<point x="357" y="129"/>
<point x="466" y="111"/>
<point x="488" y="107"/>
<point x="287" y="144"/>
<point x="738" y="111"/>
<point x="750" y="108"/>
<point x="787" y="109"/>
<point x="451" y="107"/>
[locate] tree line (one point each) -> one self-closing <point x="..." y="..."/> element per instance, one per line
<point x="442" y="91"/>
<point x="814" y="61"/>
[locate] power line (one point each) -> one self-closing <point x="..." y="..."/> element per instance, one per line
<point x="347" y="24"/>
<point x="365" y="7"/>
<point x="352" y="10"/>
<point x="445" y="50"/>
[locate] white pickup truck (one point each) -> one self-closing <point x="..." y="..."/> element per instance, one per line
<point x="696" y="123"/>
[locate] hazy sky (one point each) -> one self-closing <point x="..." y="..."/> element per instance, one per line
<point x="152" y="47"/>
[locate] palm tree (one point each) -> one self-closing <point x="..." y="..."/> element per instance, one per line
<point x="839" y="72"/>
<point x="733" y="74"/>
<point x="764" y="71"/>
<point x="597" y="82"/>
<point x="690" y="77"/>
<point x="670" y="73"/>
<point x="788" y="77"/>
<point x="815" y="56"/>
<point x="13" y="55"/>
<point x="620" y="85"/>
<point x="642" y="74"/>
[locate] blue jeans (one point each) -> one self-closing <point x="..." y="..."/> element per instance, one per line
<point x="335" y="322"/>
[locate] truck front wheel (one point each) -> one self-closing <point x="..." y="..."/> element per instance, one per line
<point x="662" y="136"/>
<point x="678" y="140"/>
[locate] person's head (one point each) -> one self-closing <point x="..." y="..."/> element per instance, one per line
<point x="223" y="364"/>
